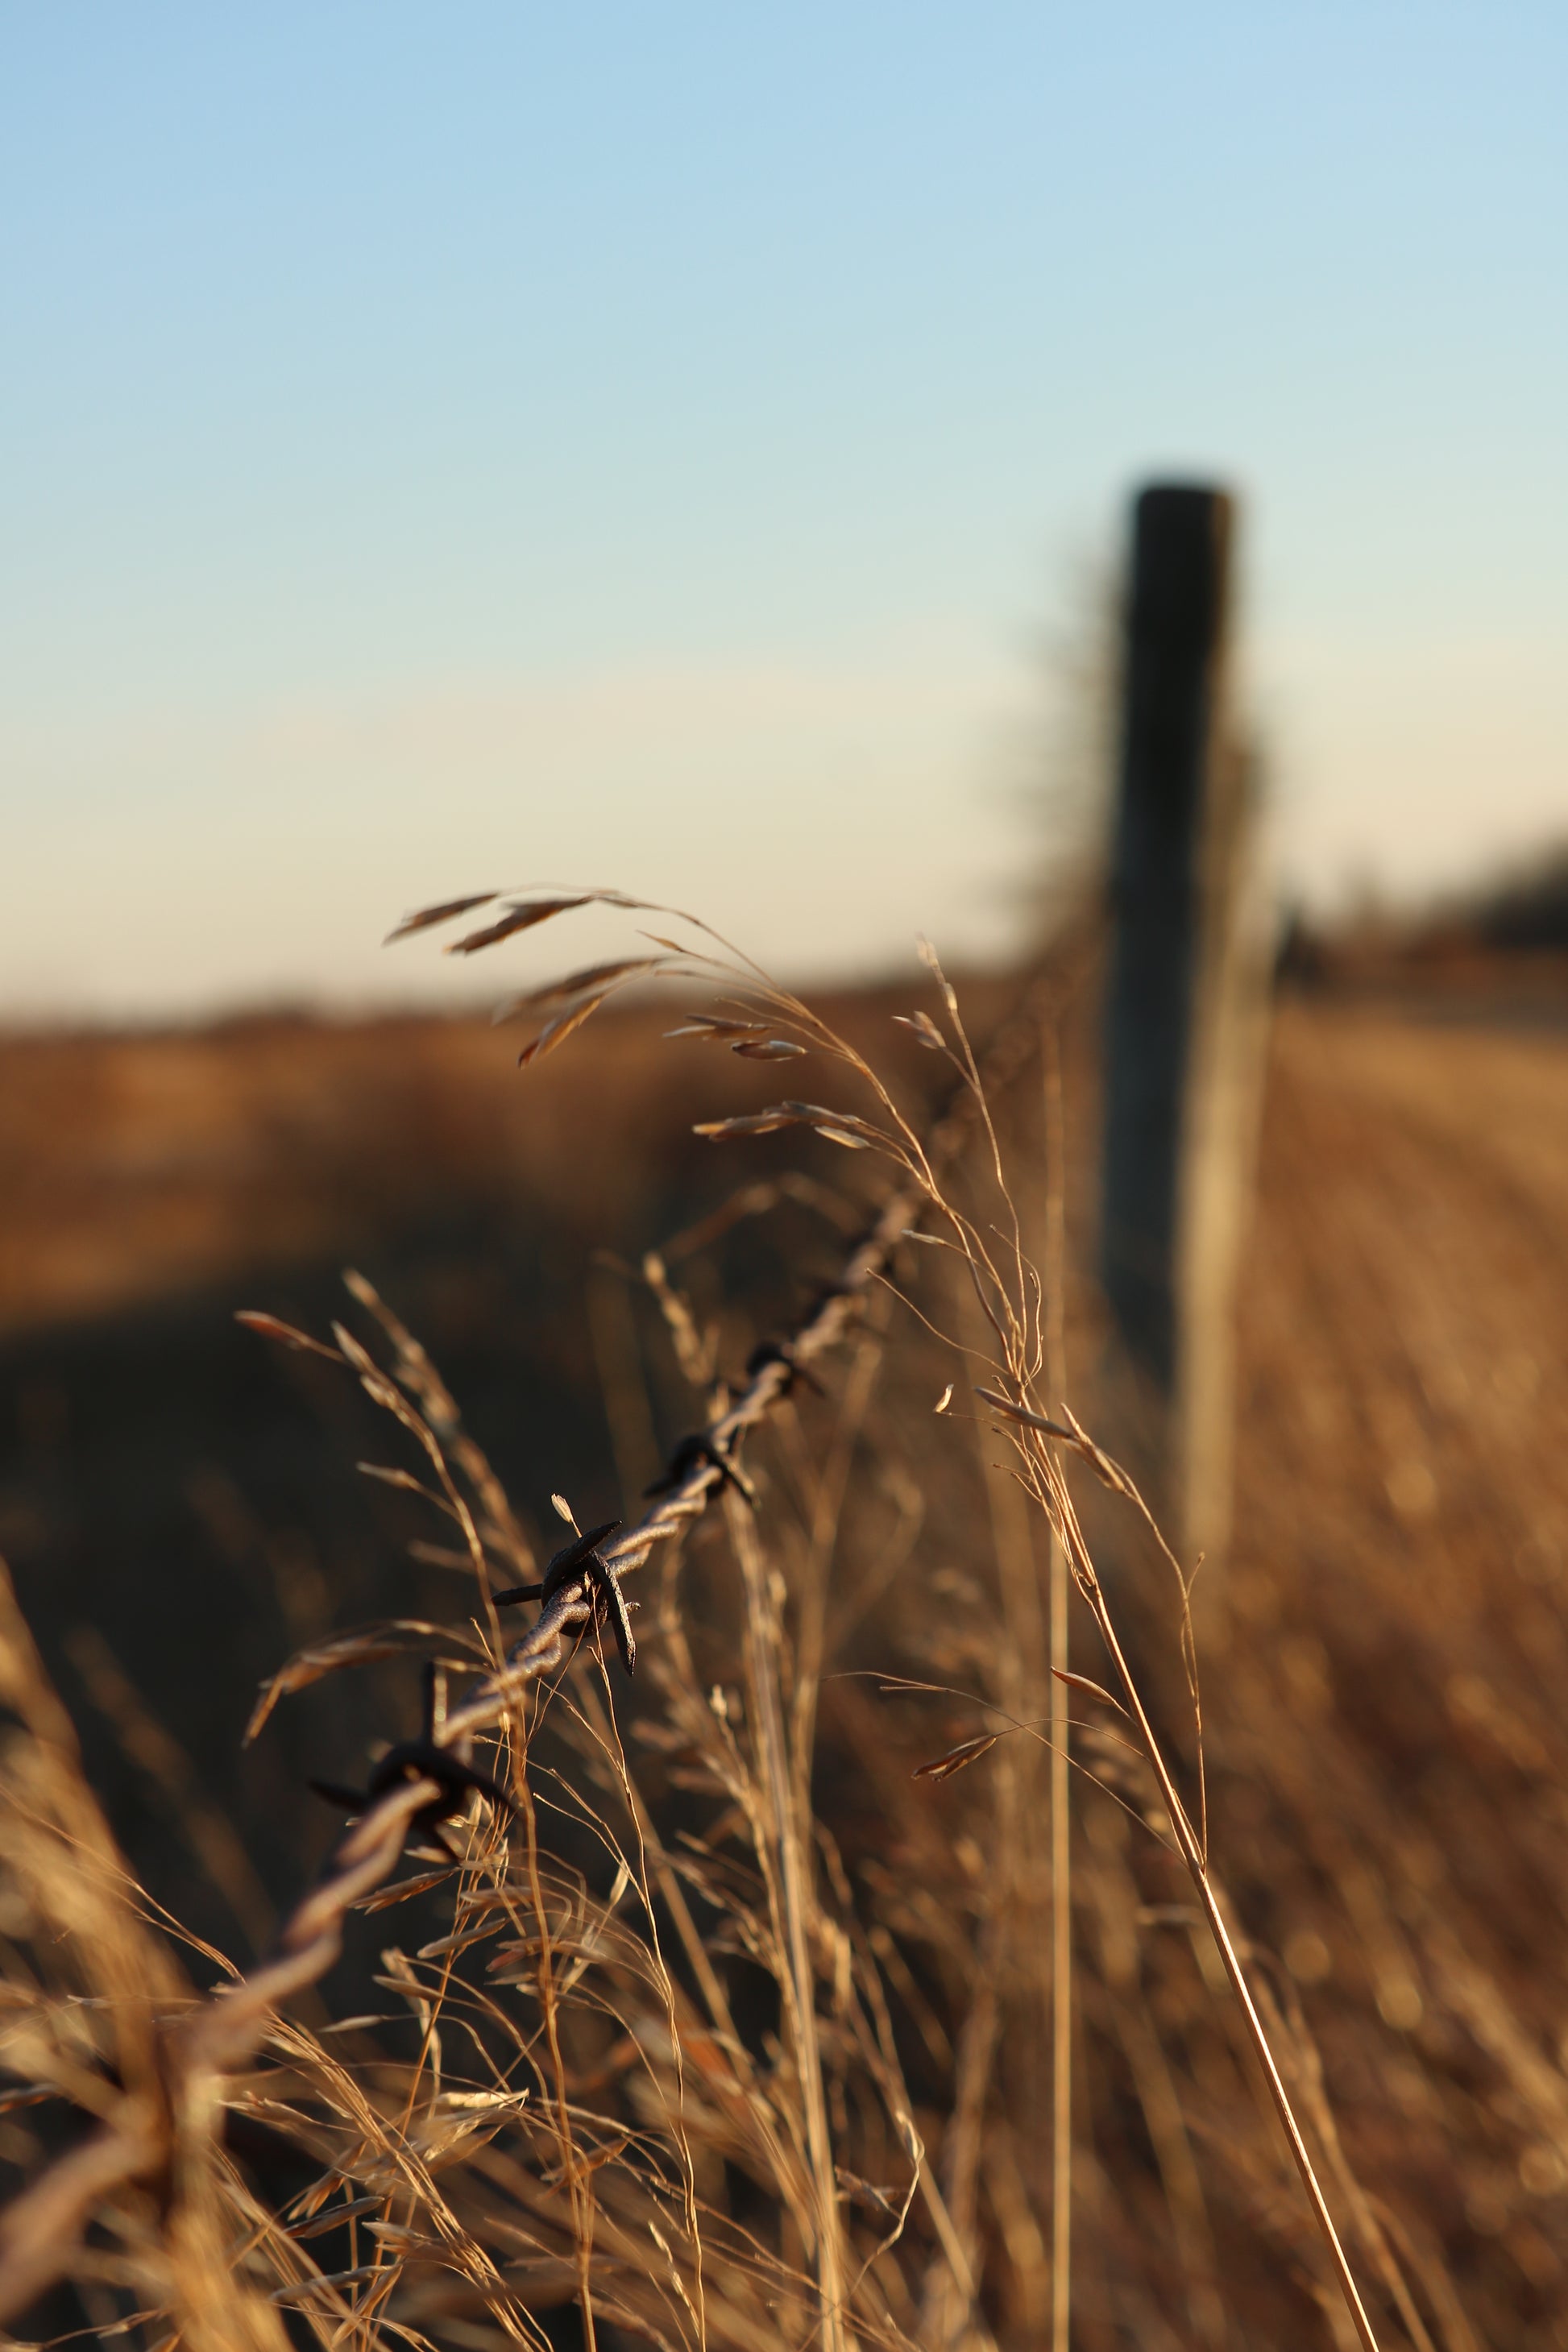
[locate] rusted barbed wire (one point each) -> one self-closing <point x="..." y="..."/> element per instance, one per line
<point x="43" y="2226"/>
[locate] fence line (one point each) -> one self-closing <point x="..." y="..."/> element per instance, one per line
<point x="41" y="2228"/>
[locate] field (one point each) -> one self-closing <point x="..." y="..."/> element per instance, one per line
<point x="1386" y="1757"/>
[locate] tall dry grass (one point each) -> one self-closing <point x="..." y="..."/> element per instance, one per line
<point x="738" y="2028"/>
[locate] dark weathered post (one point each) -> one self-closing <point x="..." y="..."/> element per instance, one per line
<point x="1184" y="997"/>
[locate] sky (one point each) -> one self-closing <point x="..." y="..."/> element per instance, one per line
<point x="671" y="447"/>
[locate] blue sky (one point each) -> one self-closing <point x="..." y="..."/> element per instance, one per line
<point x="656" y="446"/>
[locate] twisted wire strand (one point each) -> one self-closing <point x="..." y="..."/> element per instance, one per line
<point x="40" y="2230"/>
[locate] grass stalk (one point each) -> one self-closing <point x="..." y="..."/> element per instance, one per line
<point x="1051" y="1488"/>
<point x="1058" y="1591"/>
<point x="793" y="1866"/>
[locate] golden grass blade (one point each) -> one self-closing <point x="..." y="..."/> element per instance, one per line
<point x="406" y="1482"/>
<point x="405" y="1888"/>
<point x="576" y="983"/>
<point x="427" y="917"/>
<point x="522" y="917"/>
<point x="924" y="1028"/>
<point x="268" y="1327"/>
<point x="564" y="1026"/>
<point x="717" y="1031"/>
<point x="333" y="2216"/>
<point x="1091" y="1689"/>
<point x="968" y="1751"/>
<point x="838" y="1127"/>
<point x="757" y="1122"/>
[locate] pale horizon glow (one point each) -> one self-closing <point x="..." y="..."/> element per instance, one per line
<point x="657" y="449"/>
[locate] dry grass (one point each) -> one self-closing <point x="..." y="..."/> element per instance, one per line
<point x="136" y="1167"/>
<point x="738" y="2033"/>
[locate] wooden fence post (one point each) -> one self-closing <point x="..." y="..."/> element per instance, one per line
<point x="1185" y="1003"/>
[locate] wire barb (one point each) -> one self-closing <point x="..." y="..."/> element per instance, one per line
<point x="704" y="1447"/>
<point x="583" y="1557"/>
<point x="428" y="1758"/>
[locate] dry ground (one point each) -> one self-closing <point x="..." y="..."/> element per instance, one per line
<point x="1390" y="1727"/>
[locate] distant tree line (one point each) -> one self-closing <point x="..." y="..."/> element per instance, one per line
<point x="1523" y="910"/>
